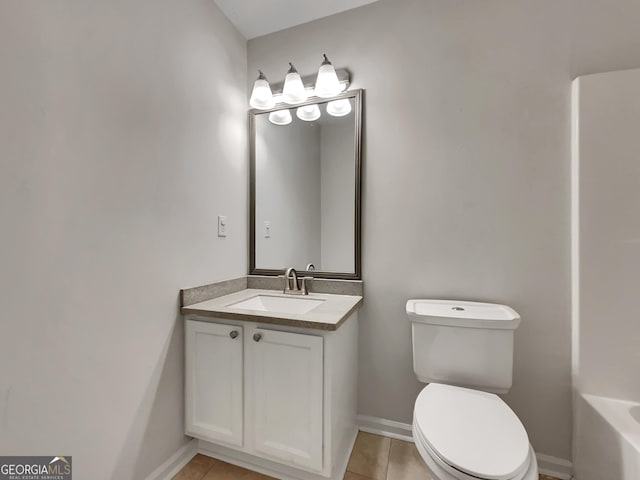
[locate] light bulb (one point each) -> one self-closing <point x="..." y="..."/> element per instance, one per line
<point x="327" y="83"/>
<point x="261" y="96"/>
<point x="339" y="108"/>
<point x="293" y="91"/>
<point x="308" y="113"/>
<point x="280" y="117"/>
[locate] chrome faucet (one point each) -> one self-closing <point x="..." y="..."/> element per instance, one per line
<point x="291" y="286"/>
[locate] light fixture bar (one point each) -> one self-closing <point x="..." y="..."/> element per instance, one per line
<point x="309" y="82"/>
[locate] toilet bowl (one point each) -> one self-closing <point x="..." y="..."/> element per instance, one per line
<point x="465" y="434"/>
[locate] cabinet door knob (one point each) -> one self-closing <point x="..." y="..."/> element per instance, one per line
<point x="257" y="337"/>
<point x="233" y="333"/>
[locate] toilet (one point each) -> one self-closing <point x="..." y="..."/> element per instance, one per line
<point x="462" y="429"/>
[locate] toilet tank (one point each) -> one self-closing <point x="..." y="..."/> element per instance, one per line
<point x="468" y="344"/>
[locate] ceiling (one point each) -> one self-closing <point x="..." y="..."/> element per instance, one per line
<point x="254" y="18"/>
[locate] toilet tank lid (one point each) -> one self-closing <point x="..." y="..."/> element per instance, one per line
<point x="456" y="313"/>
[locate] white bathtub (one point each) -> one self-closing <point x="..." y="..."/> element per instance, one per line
<point x="607" y="439"/>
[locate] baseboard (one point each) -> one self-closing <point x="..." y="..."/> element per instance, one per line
<point x="554" y="467"/>
<point x="175" y="462"/>
<point x="271" y="468"/>
<point x="547" y="465"/>
<point x="384" y="427"/>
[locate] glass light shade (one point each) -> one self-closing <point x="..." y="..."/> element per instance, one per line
<point x="327" y="83"/>
<point x="308" y="113"/>
<point x="293" y="91"/>
<point x="280" y="117"/>
<point x="261" y="96"/>
<point x="339" y="108"/>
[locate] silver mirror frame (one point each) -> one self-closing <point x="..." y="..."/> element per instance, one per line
<point x="357" y="96"/>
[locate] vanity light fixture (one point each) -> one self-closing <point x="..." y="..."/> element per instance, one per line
<point x="327" y="83"/>
<point x="339" y="108"/>
<point x="280" y="117"/>
<point x="293" y="91"/>
<point x="261" y="96"/>
<point x="308" y="113"/>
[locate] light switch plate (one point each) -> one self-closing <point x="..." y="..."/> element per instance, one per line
<point x="267" y="229"/>
<point x="222" y="226"/>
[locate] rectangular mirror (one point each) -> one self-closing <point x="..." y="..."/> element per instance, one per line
<point x="305" y="187"/>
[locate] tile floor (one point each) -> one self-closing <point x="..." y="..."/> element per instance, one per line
<point x="373" y="458"/>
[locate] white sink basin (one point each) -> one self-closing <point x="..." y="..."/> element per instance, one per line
<point x="278" y="304"/>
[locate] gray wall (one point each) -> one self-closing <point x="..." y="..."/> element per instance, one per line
<point x="122" y="137"/>
<point x="337" y="192"/>
<point x="287" y="193"/>
<point x="466" y="173"/>
<point x="609" y="177"/>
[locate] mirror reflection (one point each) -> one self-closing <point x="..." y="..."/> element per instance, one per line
<point x="304" y="187"/>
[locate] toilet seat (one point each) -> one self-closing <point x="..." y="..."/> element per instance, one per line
<point x="471" y="434"/>
<point x="439" y="470"/>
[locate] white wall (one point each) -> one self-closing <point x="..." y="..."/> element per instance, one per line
<point x="466" y="173"/>
<point x="609" y="234"/>
<point x="122" y="137"/>
<point x="337" y="192"/>
<point x="287" y="193"/>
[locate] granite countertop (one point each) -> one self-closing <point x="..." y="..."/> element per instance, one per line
<point x="329" y="315"/>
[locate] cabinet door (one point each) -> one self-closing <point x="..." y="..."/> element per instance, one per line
<point x="286" y="377"/>
<point x="214" y="378"/>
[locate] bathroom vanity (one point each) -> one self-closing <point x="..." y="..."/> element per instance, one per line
<point x="271" y="380"/>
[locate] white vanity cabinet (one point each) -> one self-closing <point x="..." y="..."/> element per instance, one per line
<point x="278" y="399"/>
<point x="214" y="386"/>
<point x="284" y="396"/>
